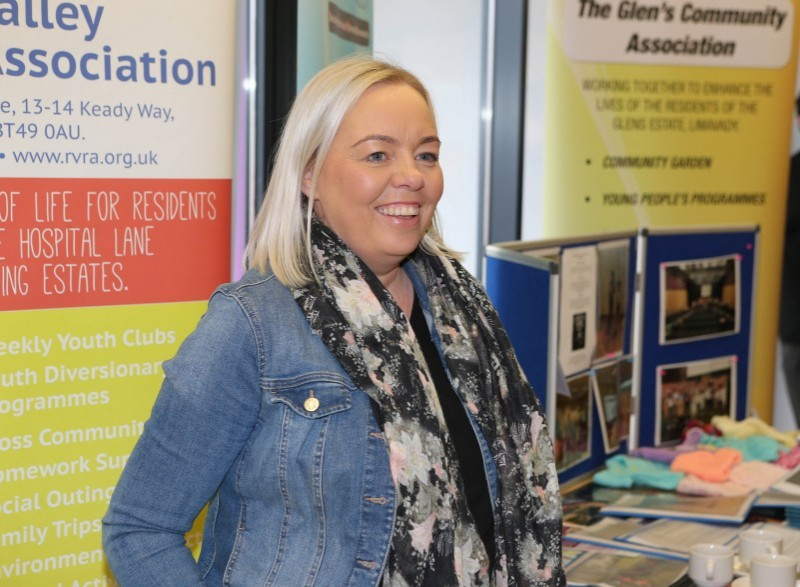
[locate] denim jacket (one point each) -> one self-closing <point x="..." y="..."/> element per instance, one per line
<point x="300" y="493"/>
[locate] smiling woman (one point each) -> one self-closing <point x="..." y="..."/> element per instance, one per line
<point x="351" y="409"/>
<point x="380" y="182"/>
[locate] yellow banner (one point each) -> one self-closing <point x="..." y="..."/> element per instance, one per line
<point x="674" y="114"/>
<point x="77" y="387"/>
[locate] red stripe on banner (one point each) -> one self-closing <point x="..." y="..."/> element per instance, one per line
<point x="68" y="242"/>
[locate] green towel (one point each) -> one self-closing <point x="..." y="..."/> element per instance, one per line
<point x="623" y="471"/>
<point x="753" y="448"/>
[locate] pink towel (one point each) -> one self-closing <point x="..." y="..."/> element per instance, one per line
<point x="789" y="460"/>
<point x="757" y="474"/>
<point x="745" y="477"/>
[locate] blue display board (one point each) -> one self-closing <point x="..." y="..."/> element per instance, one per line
<point x="524" y="281"/>
<point x="696" y="328"/>
<point x="687" y="333"/>
<point x="521" y="289"/>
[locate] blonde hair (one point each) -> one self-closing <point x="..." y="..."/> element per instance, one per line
<point x="280" y="238"/>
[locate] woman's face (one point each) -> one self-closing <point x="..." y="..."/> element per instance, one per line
<point x="381" y="181"/>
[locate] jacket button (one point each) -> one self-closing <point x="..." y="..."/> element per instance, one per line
<point x="311" y="404"/>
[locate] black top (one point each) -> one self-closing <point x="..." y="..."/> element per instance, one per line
<point x="470" y="459"/>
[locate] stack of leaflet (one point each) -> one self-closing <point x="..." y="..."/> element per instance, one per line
<point x="793" y="516"/>
<point x="785" y="493"/>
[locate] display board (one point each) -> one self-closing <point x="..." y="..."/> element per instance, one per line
<point x="696" y="330"/>
<point x="512" y="276"/>
<point x="630" y="336"/>
<point x="568" y="306"/>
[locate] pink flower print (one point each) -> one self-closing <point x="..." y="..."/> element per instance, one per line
<point x="359" y="304"/>
<point x="466" y="564"/>
<point x="503" y="391"/>
<point x="544" y="574"/>
<point x="397" y="461"/>
<point x="407" y="460"/>
<point x="422" y="378"/>
<point x="422" y="534"/>
<point x="501" y="573"/>
<point x="532" y="551"/>
<point x="537" y="423"/>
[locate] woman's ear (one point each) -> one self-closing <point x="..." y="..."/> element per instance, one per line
<point x="306" y="185"/>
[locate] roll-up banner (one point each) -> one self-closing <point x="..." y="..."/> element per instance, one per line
<point x="116" y="141"/>
<point x="674" y="113"/>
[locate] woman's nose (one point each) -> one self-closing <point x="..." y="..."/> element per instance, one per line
<point x="407" y="174"/>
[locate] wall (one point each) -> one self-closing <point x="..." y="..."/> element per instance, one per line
<point x="442" y="43"/>
<point x="532" y="185"/>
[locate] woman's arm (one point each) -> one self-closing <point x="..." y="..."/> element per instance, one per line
<point x="204" y="414"/>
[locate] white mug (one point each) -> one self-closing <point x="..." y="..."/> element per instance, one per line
<point x="773" y="570"/>
<point x="711" y="565"/>
<point x="758" y="541"/>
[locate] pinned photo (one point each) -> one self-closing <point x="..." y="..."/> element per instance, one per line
<point x="612" y="298"/>
<point x="579" y="331"/>
<point x="573" y="423"/>
<point x="612" y="385"/>
<point x="699" y="299"/>
<point x="693" y="391"/>
<point x="577" y="312"/>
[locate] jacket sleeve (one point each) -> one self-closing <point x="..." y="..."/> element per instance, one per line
<point x="205" y="411"/>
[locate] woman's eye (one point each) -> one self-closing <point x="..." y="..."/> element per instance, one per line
<point x="376" y="157"/>
<point x="429" y="157"/>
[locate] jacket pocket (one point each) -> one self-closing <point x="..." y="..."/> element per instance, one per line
<point x="209" y="550"/>
<point x="311" y="395"/>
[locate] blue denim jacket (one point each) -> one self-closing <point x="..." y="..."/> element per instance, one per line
<point x="296" y="496"/>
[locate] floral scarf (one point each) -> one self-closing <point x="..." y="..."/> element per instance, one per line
<point x="435" y="541"/>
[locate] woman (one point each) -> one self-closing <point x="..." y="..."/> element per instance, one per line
<point x="350" y="409"/>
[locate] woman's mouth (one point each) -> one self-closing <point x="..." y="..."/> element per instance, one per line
<point x="399" y="210"/>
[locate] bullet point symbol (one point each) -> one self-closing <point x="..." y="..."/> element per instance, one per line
<point x="2" y="155"/>
<point x="588" y="162"/>
<point x="587" y="198"/>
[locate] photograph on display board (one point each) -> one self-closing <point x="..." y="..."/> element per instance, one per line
<point x="579" y="331"/>
<point x="612" y="384"/>
<point x="612" y="301"/>
<point x="699" y="299"/>
<point x="693" y="391"/>
<point x="577" y="318"/>
<point x="573" y="423"/>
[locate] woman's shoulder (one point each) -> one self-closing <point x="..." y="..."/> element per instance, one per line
<point x="250" y="279"/>
<point x="254" y="285"/>
<point x="260" y="296"/>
